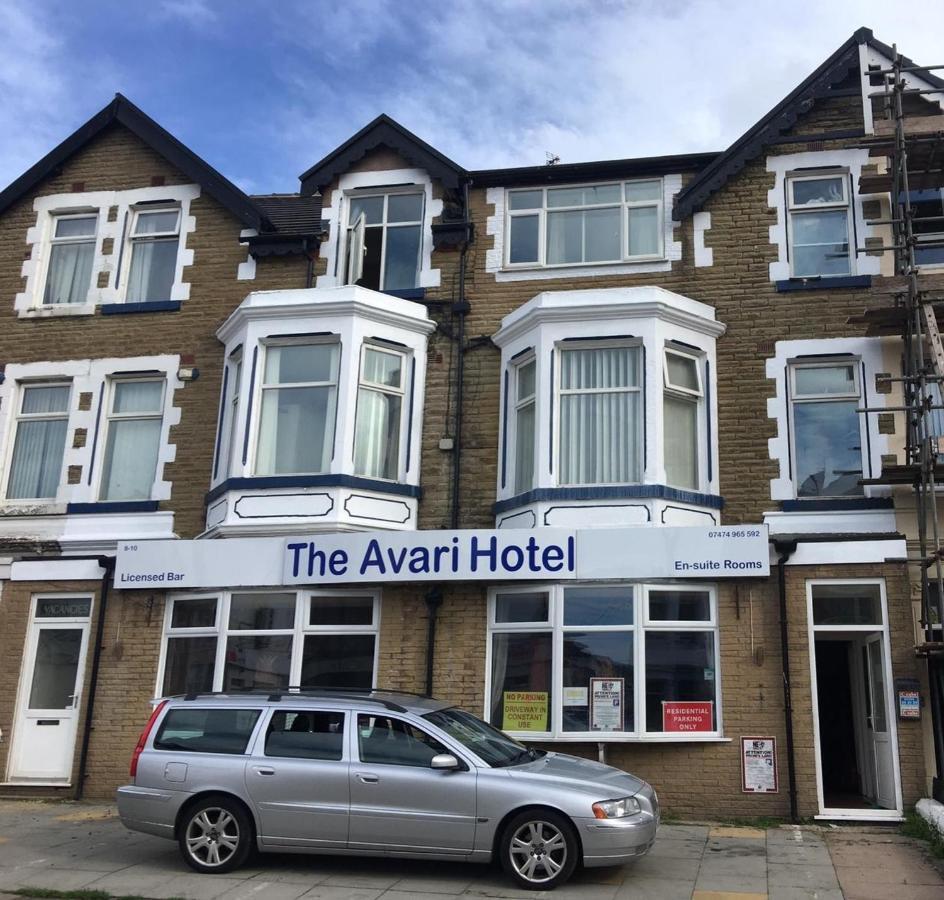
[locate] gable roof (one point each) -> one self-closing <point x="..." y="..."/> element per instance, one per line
<point x="781" y="118"/>
<point x="124" y="112"/>
<point x="383" y="131"/>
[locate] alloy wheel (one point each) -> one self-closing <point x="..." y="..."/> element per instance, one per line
<point x="212" y="836"/>
<point x="538" y="851"/>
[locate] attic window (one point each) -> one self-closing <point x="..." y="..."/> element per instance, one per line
<point x="384" y="238"/>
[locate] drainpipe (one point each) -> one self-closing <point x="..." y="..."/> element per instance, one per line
<point x="460" y="308"/>
<point x="108" y="564"/>
<point x="786" y="549"/>
<point x="434" y="599"/>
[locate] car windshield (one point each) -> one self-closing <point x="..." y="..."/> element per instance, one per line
<point x="488" y="743"/>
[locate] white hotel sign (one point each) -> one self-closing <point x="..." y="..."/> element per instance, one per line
<point x="484" y="555"/>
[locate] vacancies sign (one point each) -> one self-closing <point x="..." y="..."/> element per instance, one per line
<point x="542" y="554"/>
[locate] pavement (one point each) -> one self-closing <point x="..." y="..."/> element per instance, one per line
<point x="70" y="846"/>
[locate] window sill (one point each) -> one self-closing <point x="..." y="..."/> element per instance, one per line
<point x="115" y="309"/>
<point x="111" y="507"/>
<point x="610" y="492"/>
<point x="823" y="283"/>
<point x="61" y="309"/>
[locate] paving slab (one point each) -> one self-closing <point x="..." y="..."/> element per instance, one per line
<point x="52" y="879"/>
<point x="733" y="831"/>
<point x="666" y="868"/>
<point x="795" y="893"/>
<point x="738" y="884"/>
<point x="726" y="895"/>
<point x="677" y="849"/>
<point x="340" y="892"/>
<point x="254" y="889"/>
<point x="654" y="889"/>
<point x="821" y="877"/>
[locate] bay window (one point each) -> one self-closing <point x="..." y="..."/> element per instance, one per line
<point x="680" y="406"/>
<point x="133" y="439"/>
<point x="384" y="240"/>
<point x="604" y="223"/>
<point x="39" y="442"/>
<point x="251" y="640"/>
<point x="582" y="660"/>
<point x="378" y="423"/>
<point x="819" y="230"/>
<point x="71" y="253"/>
<point x="600" y="414"/>
<point x="154" y="239"/>
<point x="297" y="408"/>
<point x="826" y="431"/>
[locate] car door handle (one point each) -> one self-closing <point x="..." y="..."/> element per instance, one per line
<point x="263" y="770"/>
<point x="367" y="779"/>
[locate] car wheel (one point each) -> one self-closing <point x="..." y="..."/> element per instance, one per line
<point x="539" y="849"/>
<point x="215" y="835"/>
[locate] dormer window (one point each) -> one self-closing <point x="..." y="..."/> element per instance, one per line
<point x="384" y="239"/>
<point x="71" y="253"/>
<point x="299" y="398"/>
<point x="155" y="236"/>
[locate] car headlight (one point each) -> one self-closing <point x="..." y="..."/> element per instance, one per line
<point x="616" y="809"/>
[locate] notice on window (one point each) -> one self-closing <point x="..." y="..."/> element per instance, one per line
<point x="759" y="765"/>
<point x="575" y="696"/>
<point x="606" y="704"/>
<point x="687" y="715"/>
<point x="524" y="711"/>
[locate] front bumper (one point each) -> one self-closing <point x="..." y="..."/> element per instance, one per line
<point x="612" y="842"/>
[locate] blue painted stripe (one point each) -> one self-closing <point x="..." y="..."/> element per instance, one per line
<point x="708" y="417"/>
<point x="611" y="492"/>
<point x="116" y="506"/>
<point x="147" y="306"/>
<point x="550" y="455"/>
<point x="836" y="504"/>
<point x="252" y="387"/>
<point x="645" y="451"/>
<point x="271" y="482"/>
<point x="98" y="420"/>
<point x="504" y="449"/>
<point x="825" y="283"/>
<point x="409" y="425"/>
<point x="219" y="421"/>
<point x="408" y="293"/>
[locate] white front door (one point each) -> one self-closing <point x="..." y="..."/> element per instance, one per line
<point x="48" y="705"/>
<point x="878" y="725"/>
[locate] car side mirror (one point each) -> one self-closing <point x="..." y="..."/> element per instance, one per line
<point x="444" y="761"/>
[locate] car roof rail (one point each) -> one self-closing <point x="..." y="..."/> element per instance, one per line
<point x="334" y="693"/>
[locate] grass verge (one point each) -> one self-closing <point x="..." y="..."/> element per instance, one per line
<point x="916" y="826"/>
<point x="53" y="894"/>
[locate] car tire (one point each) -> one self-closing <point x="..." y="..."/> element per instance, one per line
<point x="215" y="835"/>
<point x="539" y="849"/>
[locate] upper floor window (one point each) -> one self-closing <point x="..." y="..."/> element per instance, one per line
<point x="71" y="253"/>
<point x="155" y="236"/>
<point x="384" y="240"/>
<point x="232" y="410"/>
<point x="39" y="444"/>
<point x="579" y="225"/>
<point x="827" y="438"/>
<point x="298" y="404"/>
<point x="133" y="439"/>
<point x="524" y="424"/>
<point x="601" y="413"/>
<point x="379" y="421"/>
<point x="680" y="406"/>
<point x="928" y="223"/>
<point x="820" y="226"/>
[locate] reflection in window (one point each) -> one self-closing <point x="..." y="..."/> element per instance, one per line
<point x="680" y="666"/>
<point x="377" y="430"/>
<point x="133" y="439"/>
<point x="154" y="240"/>
<point x="819" y="226"/>
<point x="71" y="252"/>
<point x="524" y="379"/>
<point x="521" y="681"/>
<point x="40" y="442"/>
<point x="826" y="430"/>
<point x="847" y="604"/>
<point x="387" y="229"/>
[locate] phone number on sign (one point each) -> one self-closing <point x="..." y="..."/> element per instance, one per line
<point x="744" y="532"/>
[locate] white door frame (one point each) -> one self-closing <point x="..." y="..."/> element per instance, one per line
<point x="27" y="663"/>
<point x="825" y="812"/>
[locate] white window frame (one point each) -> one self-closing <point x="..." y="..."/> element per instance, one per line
<point x="695" y="397"/>
<point x="800" y="209"/>
<point x="623" y="205"/>
<point x="19" y="416"/>
<point x="794" y="397"/>
<point x="402" y="392"/>
<point x="131" y="239"/>
<point x="554" y="625"/>
<point x="350" y="243"/>
<point x="110" y="416"/>
<point x="229" y="454"/>
<point x="515" y="405"/>
<point x="222" y="632"/>
<point x="337" y="384"/>
<point x="52" y="241"/>
<point x="562" y="347"/>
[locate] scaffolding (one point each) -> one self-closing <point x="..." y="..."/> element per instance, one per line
<point x="912" y="144"/>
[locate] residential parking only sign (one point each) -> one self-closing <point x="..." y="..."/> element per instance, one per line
<point x="544" y="554"/>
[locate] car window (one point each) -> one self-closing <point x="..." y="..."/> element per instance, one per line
<point x="305" y="734"/>
<point x="206" y="730"/>
<point x="382" y="739"/>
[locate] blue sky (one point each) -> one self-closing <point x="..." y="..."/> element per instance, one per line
<point x="264" y="89"/>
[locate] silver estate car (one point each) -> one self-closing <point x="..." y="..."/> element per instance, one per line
<point x="374" y="773"/>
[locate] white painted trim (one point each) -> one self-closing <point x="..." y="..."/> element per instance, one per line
<point x="813" y="553"/>
<point x="850" y="160"/>
<point x="28" y="303"/>
<point x="704" y="256"/>
<point x="246" y="271"/>
<point x="56" y="570"/>
<point x="890" y="705"/>
<point x="495" y="225"/>
<point x="335" y="215"/>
